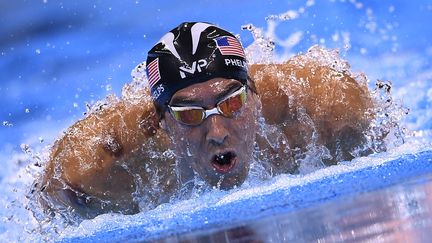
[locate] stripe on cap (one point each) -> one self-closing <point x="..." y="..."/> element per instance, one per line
<point x="153" y="72"/>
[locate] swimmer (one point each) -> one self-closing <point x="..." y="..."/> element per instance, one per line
<point x="202" y="116"/>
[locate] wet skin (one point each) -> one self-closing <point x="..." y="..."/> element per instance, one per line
<point x="108" y="156"/>
<point x="197" y="146"/>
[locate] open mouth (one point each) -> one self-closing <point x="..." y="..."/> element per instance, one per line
<point x="224" y="162"/>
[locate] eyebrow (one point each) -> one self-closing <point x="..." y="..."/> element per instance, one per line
<point x="186" y="101"/>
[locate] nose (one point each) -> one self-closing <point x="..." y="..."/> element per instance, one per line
<point x="217" y="133"/>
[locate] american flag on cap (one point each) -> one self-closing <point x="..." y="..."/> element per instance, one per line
<point x="229" y="45"/>
<point x="153" y="73"/>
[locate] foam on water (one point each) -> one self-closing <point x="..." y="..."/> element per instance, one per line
<point x="156" y="217"/>
<point x="201" y="196"/>
<point x="19" y="223"/>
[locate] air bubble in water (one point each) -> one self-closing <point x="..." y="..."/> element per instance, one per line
<point x="27" y="110"/>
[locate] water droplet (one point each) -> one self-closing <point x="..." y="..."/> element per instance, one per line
<point x="7" y="124"/>
<point x="310" y="3"/>
<point x="38" y="51"/>
<point x="247" y="27"/>
<point x="25" y="148"/>
<point x="27" y="110"/>
<point x="188" y="152"/>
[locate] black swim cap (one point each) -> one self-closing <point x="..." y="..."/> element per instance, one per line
<point x="193" y="52"/>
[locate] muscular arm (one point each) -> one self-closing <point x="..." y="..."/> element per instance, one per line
<point x="93" y="167"/>
<point x="89" y="167"/>
<point x="312" y="103"/>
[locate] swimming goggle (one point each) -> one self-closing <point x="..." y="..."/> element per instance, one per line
<point x="194" y="115"/>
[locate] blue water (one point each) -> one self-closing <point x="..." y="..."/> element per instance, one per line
<point x="283" y="202"/>
<point x="58" y="57"/>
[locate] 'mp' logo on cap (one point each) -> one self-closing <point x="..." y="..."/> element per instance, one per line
<point x="193" y="52"/>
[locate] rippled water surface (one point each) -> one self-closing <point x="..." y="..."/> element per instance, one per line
<point x="58" y="58"/>
<point x="399" y="213"/>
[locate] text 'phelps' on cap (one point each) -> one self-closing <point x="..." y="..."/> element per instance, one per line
<point x="193" y="52"/>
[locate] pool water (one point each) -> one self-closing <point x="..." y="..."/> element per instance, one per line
<point x="58" y="58"/>
<point x="400" y="213"/>
<point x="376" y="198"/>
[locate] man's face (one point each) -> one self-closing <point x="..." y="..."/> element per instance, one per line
<point x="220" y="148"/>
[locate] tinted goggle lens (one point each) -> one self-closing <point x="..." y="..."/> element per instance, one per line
<point x="227" y="107"/>
<point x="192" y="116"/>
<point x="232" y="104"/>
